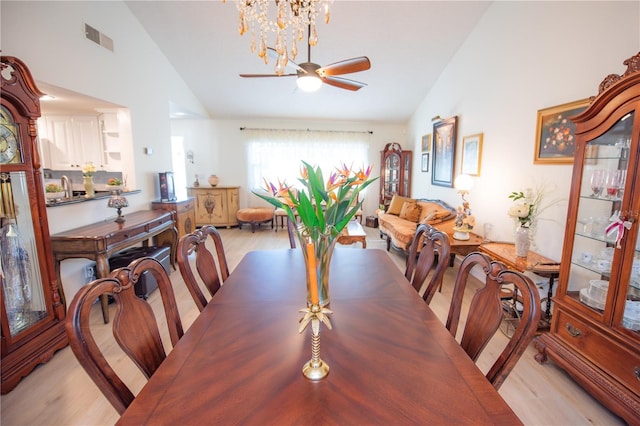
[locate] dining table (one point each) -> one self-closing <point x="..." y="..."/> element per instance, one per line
<point x="391" y="360"/>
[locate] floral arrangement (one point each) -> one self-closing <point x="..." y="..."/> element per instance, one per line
<point x="114" y="182"/>
<point x="323" y="207"/>
<point x="53" y="188"/>
<point x="528" y="205"/>
<point x="88" y="169"/>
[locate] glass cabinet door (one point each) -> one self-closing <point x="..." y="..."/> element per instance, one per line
<point x="599" y="266"/>
<point x="392" y="175"/>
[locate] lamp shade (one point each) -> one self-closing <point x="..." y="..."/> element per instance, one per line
<point x="309" y="83"/>
<point x="463" y="183"/>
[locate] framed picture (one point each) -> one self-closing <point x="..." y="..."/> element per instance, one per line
<point x="471" y="154"/>
<point x="425" y="162"/>
<point x="444" y="151"/>
<point x="426" y="143"/>
<point x="556" y="134"/>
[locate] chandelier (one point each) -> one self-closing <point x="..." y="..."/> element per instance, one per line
<point x="292" y="18"/>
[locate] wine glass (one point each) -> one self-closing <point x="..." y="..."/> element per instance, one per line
<point x="597" y="182"/>
<point x="621" y="183"/>
<point x="613" y="183"/>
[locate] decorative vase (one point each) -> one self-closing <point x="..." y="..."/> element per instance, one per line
<point x="196" y="184"/>
<point x="317" y="249"/>
<point x="88" y="187"/>
<point x="214" y="180"/>
<point x="523" y="241"/>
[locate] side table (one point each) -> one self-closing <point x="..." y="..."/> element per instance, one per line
<point x="534" y="262"/>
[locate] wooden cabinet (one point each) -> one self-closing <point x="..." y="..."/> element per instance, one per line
<point x="30" y="308"/>
<point x="185" y="213"/>
<point x="70" y="141"/>
<point x="595" y="331"/>
<point x="395" y="172"/>
<point x="216" y="206"/>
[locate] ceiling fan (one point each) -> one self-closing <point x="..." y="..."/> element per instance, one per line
<point x="311" y="76"/>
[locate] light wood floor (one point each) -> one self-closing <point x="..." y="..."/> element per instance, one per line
<point x="61" y="393"/>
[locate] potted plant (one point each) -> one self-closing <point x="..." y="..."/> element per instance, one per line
<point x="53" y="191"/>
<point x="114" y="184"/>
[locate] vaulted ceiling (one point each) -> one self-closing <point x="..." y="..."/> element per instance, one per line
<point x="409" y="43"/>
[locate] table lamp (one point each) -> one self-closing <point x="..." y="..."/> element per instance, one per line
<point x="118" y="201"/>
<point x="464" y="219"/>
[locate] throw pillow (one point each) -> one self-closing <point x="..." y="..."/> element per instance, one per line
<point x="435" y="216"/>
<point x="410" y="211"/>
<point x="396" y="204"/>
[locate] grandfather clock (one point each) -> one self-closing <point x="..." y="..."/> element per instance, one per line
<point x="30" y="308"/>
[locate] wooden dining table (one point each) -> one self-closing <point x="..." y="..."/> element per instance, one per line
<point x="391" y="359"/>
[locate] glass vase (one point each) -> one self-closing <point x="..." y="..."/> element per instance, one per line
<point x="317" y="249"/>
<point x="89" y="190"/>
<point x="523" y="241"/>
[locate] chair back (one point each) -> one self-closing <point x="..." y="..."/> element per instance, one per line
<point x="134" y="327"/>
<point x="430" y="263"/>
<point x="205" y="263"/>
<point x="291" y="231"/>
<point x="486" y="313"/>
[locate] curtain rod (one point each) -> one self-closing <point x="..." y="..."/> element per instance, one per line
<point x="308" y="130"/>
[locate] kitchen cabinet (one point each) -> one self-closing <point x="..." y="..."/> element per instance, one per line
<point x="216" y="205"/>
<point x="70" y="141"/>
<point x="595" y="331"/>
<point x="111" y="140"/>
<point x="395" y="172"/>
<point x="31" y="311"/>
<point x="185" y="213"/>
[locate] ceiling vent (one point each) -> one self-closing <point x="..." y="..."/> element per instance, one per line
<point x="97" y="37"/>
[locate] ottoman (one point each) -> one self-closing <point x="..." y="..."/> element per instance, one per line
<point x="254" y="216"/>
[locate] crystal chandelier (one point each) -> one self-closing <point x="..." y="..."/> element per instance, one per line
<point x="292" y="18"/>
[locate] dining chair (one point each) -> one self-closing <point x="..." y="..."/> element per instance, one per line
<point x="135" y="327"/>
<point x="430" y="263"/>
<point x="486" y="312"/>
<point x="291" y="232"/>
<point x="211" y="275"/>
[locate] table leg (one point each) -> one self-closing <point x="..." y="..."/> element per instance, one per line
<point x="549" y="294"/>
<point x="102" y="271"/>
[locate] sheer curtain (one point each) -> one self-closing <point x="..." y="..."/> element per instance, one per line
<point x="277" y="154"/>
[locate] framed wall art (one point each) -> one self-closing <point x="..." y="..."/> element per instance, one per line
<point x="426" y="143"/>
<point x="444" y="151"/>
<point x="425" y="162"/>
<point x="555" y="133"/>
<point x="471" y="154"/>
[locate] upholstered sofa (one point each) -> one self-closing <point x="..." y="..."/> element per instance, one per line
<point x="399" y="222"/>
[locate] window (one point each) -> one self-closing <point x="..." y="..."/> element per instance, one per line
<point x="277" y="155"/>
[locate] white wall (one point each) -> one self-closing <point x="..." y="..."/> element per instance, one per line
<point x="522" y="57"/>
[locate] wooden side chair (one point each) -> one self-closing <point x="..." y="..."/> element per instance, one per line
<point x="430" y="263"/>
<point x="485" y="313"/>
<point x="134" y="327"/>
<point x="208" y="272"/>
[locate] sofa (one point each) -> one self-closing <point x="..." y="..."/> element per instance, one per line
<point x="399" y="222"/>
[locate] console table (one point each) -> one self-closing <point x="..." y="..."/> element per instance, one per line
<point x="534" y="262"/>
<point x="100" y="240"/>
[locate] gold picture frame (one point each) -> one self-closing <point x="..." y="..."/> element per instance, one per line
<point x="426" y="143"/>
<point x="555" y="133"/>
<point x="471" y="154"/>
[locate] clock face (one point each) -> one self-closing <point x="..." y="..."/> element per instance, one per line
<point x="9" y="145"/>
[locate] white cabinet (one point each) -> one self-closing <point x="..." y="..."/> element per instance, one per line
<point x="70" y="141"/>
<point x="111" y="141"/>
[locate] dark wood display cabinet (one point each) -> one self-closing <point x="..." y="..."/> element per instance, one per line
<point x="185" y="213"/>
<point x="595" y="330"/>
<point x="395" y="173"/>
<point x="31" y="311"/>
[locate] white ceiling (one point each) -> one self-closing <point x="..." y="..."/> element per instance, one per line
<point x="408" y="42"/>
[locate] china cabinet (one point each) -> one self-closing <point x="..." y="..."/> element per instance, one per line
<point x="216" y="206"/>
<point x="31" y="311"/>
<point x="595" y="331"/>
<point x="395" y="173"/>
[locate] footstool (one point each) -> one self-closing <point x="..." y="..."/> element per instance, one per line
<point x="254" y="216"/>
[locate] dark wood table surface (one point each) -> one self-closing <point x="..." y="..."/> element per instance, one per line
<point x="392" y="360"/>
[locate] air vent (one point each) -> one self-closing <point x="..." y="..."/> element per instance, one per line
<point x="97" y="37"/>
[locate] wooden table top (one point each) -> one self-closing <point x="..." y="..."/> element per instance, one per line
<point x="534" y="262"/>
<point x="392" y="361"/>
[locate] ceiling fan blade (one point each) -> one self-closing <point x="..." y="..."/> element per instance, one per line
<point x="343" y="83"/>
<point x="266" y="75"/>
<point x="291" y="66"/>
<point x="346" y="67"/>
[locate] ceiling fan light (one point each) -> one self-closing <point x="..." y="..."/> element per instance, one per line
<point x="309" y="83"/>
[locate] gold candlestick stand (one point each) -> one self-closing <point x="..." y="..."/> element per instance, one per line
<point x="315" y="369"/>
